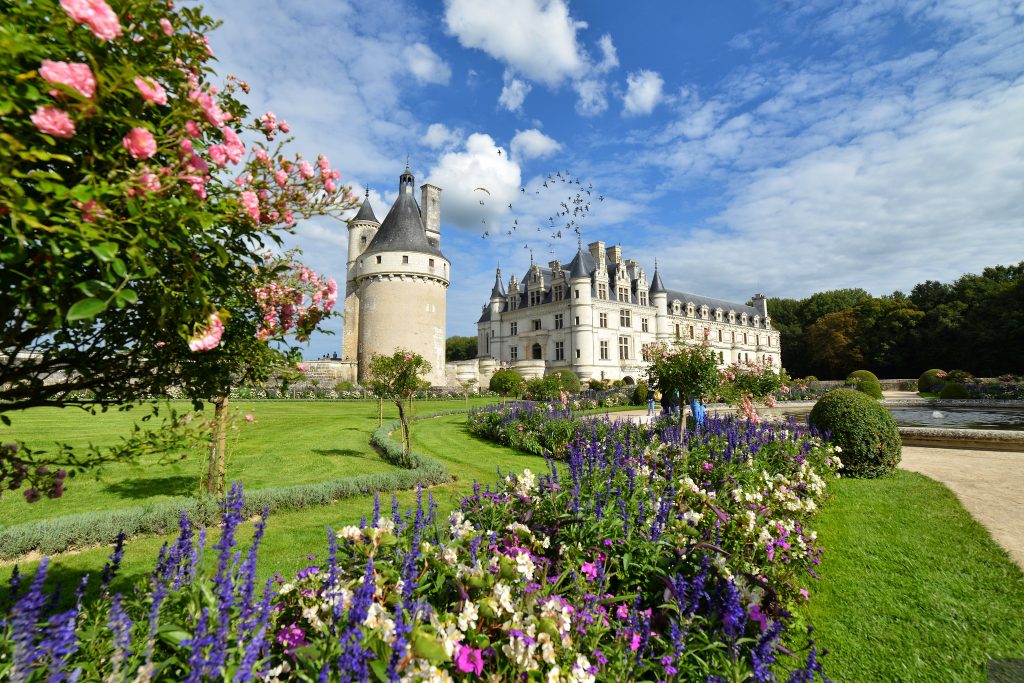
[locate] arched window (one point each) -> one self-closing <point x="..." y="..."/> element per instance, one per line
<point x="536" y="352"/>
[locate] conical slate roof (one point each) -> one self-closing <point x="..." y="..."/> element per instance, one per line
<point x="402" y="229"/>
<point x="366" y="212"/>
<point x="498" y="291"/>
<point x="656" y="284"/>
<point x="582" y="265"/>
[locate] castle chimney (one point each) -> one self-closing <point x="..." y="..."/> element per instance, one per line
<point x="430" y="209"/>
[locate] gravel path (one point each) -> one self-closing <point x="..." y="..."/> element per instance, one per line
<point x="988" y="484"/>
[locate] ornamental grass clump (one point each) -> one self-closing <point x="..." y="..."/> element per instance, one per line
<point x="864" y="430"/>
<point x="646" y="555"/>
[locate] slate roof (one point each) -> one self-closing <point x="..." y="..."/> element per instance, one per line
<point x="366" y="212"/>
<point x="656" y="284"/>
<point x="712" y="304"/>
<point x="402" y="229"/>
<point x="499" y="287"/>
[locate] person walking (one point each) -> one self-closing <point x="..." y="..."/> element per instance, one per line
<point x="652" y="396"/>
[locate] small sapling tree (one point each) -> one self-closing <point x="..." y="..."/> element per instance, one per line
<point x="506" y="382"/>
<point x="397" y="378"/>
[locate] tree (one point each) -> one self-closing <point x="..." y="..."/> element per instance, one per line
<point x="690" y="368"/>
<point x="396" y="378"/>
<point x="134" y="218"/>
<point x="459" y="348"/>
<point x="833" y="344"/>
<point x="506" y="382"/>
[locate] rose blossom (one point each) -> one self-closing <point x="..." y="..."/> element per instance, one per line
<point x="281" y="177"/>
<point x="97" y="14"/>
<point x="76" y="76"/>
<point x="53" y="121"/>
<point x="140" y="143"/>
<point x="251" y="204"/>
<point x="209" y="338"/>
<point x="165" y="25"/>
<point x="219" y="155"/>
<point x="232" y="145"/>
<point x="151" y="90"/>
<point x="305" y="169"/>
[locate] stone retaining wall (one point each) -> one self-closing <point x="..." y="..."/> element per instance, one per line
<point x="973" y="439"/>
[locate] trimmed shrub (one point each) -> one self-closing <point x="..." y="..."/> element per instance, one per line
<point x="954" y="390"/>
<point x="868" y="386"/>
<point x="639" y="396"/>
<point x="961" y="376"/>
<point x="566" y="379"/>
<point x="928" y="379"/>
<point x="506" y="382"/>
<point x="863" y="429"/>
<point x="861" y="374"/>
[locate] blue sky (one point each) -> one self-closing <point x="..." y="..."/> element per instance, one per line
<point x="782" y="147"/>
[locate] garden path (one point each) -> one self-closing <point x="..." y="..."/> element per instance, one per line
<point x="987" y="483"/>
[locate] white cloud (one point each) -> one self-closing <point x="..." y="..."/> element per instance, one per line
<point x="459" y="173"/>
<point x="592" y="100"/>
<point x="643" y="92"/>
<point x="533" y="144"/>
<point x="609" y="57"/>
<point x="439" y="135"/>
<point x="513" y="92"/>
<point x="535" y="37"/>
<point x="426" y="65"/>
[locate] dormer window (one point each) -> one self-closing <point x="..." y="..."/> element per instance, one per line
<point x="704" y="312"/>
<point x="689" y="310"/>
<point x="732" y="317"/>
<point x="675" y="307"/>
<point x="744" y="319"/>
<point x="718" y="314"/>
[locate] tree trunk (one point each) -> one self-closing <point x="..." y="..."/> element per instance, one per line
<point x="218" y="438"/>
<point x="380" y="412"/>
<point x="406" y="437"/>
<point x="222" y="444"/>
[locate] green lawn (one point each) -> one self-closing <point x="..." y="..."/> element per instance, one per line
<point x="912" y="588"/>
<point x="288" y="443"/>
<point x="293" y="535"/>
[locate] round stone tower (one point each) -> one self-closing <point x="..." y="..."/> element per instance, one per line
<point x="401" y="280"/>
<point x="361" y="231"/>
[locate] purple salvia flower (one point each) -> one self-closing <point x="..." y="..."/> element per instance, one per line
<point x="121" y="628"/>
<point x="110" y="569"/>
<point x="26" y="614"/>
<point x="198" y="664"/>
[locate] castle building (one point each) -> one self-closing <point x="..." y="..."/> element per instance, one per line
<point x="396" y="282"/>
<point x="594" y="315"/>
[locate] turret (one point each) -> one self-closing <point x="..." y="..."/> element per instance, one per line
<point x="659" y="299"/>
<point x="497" y="293"/>
<point x="361" y="231"/>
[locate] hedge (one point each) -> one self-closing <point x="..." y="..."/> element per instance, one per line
<point x="87" y="529"/>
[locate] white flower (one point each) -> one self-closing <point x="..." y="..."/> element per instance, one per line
<point x="468" y="616"/>
<point x="553" y="674"/>
<point x="525" y="565"/>
<point x="449" y="556"/>
<point x="351" y="533"/>
<point x="503" y="594"/>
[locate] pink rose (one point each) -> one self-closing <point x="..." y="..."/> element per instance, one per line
<point x="140" y="143"/>
<point x="150" y="182"/>
<point x="324" y="163"/>
<point x="209" y="337"/>
<point x="219" y="155"/>
<point x="250" y="418"/>
<point x="151" y="90"/>
<point x="251" y="204"/>
<point x="283" y="126"/>
<point x="261" y="156"/>
<point x="212" y="110"/>
<point x="281" y="177"/>
<point x="232" y="145"/>
<point x="96" y="14"/>
<point x="76" y="76"/>
<point x="192" y="128"/>
<point x="166" y="27"/>
<point x="301" y="367"/>
<point x="305" y="169"/>
<point x="330" y="186"/>
<point x="53" y="121"/>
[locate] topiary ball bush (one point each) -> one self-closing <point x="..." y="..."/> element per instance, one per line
<point x="953" y="390"/>
<point x="866" y="385"/>
<point x="928" y="380"/>
<point x="567" y="379"/>
<point x="862" y="428"/>
<point x="861" y="374"/>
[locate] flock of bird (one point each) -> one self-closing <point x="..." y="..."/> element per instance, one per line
<point x="568" y="217"/>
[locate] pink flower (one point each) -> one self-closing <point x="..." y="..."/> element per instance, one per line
<point x="305" y="169"/>
<point x="324" y="163"/>
<point x="90" y="210"/>
<point x="76" y="76"/>
<point x="261" y="156"/>
<point x="212" y="110"/>
<point x="292" y="637"/>
<point x="760" y="617"/>
<point x="151" y="90"/>
<point x="192" y="128"/>
<point x="589" y="569"/>
<point x="469" y="660"/>
<point x="803" y="592"/>
<point x="53" y="121"/>
<point x="408" y="356"/>
<point x="283" y="126"/>
<point x="97" y="14"/>
<point x="634" y="642"/>
<point x="250" y="418"/>
<point x="622" y="612"/>
<point x="281" y="177"/>
<point x="219" y="155"/>
<point x="165" y="25"/>
<point x="301" y="367"/>
<point x="332" y="290"/>
<point x="232" y="145"/>
<point x="140" y="143"/>
<point x="251" y="204"/>
<point x="150" y="182"/>
<point x="330" y="186"/>
<point x="209" y="337"/>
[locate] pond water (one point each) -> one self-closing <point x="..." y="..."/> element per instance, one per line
<point x="960" y="417"/>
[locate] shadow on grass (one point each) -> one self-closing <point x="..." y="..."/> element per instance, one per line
<point x="350" y="452"/>
<point x="175" y="485"/>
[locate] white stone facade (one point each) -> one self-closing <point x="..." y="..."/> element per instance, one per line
<point x="397" y="281"/>
<point x="594" y="315"/>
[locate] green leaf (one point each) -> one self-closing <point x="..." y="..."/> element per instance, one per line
<point x="105" y="251"/>
<point x="128" y="296"/>
<point x="118" y="267"/>
<point x="173" y="634"/>
<point x="86" y="308"/>
<point x="426" y="646"/>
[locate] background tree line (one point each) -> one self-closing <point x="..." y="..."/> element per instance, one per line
<point x="975" y="323"/>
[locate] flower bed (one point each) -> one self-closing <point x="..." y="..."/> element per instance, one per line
<point x="643" y="556"/>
